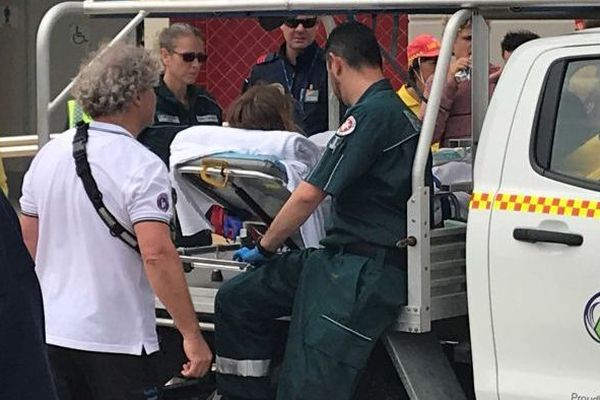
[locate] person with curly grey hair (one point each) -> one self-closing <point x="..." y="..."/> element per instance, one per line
<point x="180" y="102"/>
<point x="109" y="85"/>
<point x="99" y="292"/>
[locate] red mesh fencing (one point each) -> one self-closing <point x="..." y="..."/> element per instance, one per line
<point x="234" y="44"/>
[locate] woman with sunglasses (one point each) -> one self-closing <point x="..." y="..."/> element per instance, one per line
<point x="180" y="103"/>
<point x="299" y="66"/>
<point x="179" y="100"/>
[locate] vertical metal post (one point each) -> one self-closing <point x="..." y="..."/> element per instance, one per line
<point x="333" y="102"/>
<point x="416" y="316"/>
<point x="435" y="97"/>
<point x="42" y="66"/>
<point x="479" y="76"/>
<point x="417" y="313"/>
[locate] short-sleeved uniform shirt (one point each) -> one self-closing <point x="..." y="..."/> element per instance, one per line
<point x="172" y="116"/>
<point x="96" y="293"/>
<point x="366" y="168"/>
<point x="306" y="82"/>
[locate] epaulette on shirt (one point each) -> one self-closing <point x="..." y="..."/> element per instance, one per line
<point x="266" y="58"/>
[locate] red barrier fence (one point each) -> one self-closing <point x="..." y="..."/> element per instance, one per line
<point x="233" y="45"/>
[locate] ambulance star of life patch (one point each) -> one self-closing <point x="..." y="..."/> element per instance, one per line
<point x="347" y="127"/>
<point x="162" y="202"/>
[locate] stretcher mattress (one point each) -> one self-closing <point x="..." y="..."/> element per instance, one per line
<point x="269" y="165"/>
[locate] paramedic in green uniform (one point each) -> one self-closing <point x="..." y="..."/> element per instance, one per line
<point x="342" y="297"/>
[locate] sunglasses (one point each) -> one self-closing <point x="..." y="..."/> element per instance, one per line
<point x="190" y="57"/>
<point x="307" y="23"/>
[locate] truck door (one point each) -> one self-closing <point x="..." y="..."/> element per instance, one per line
<point x="544" y="236"/>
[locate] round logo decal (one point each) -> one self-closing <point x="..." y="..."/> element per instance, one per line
<point x="347" y="127"/>
<point x="591" y="317"/>
<point x="162" y="201"/>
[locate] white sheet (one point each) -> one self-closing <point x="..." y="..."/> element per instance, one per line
<point x="295" y="152"/>
<point x="452" y="172"/>
<point x="321" y="139"/>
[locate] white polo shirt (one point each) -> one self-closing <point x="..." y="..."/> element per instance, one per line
<point x="96" y="293"/>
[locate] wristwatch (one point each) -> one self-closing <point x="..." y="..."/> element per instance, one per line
<point x="266" y="253"/>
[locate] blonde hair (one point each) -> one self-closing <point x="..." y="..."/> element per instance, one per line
<point x="107" y="85"/>
<point x="168" y="36"/>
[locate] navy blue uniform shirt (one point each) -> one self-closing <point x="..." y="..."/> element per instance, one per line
<point x="306" y="82"/>
<point x="172" y="116"/>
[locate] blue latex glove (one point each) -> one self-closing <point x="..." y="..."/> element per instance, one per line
<point x="251" y="256"/>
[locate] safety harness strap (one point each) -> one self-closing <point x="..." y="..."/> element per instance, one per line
<point x="82" y="166"/>
<point x="246" y="368"/>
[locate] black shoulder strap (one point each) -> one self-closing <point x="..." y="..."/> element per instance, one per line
<point x="82" y="167"/>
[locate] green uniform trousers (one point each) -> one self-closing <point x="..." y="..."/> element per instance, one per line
<point x="340" y="304"/>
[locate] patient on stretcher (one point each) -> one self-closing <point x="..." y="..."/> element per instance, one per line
<point x="251" y="170"/>
<point x="264" y="156"/>
<point x="263" y="107"/>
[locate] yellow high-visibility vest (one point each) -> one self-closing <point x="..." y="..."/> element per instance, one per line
<point x="3" y="180"/>
<point x="76" y="114"/>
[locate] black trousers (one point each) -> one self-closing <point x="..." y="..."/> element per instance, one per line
<point x="89" y="375"/>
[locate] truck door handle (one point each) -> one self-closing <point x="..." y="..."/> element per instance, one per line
<point x="532" y="235"/>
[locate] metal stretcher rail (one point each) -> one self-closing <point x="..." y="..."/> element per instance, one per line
<point x="212" y="264"/>
<point x="169" y="323"/>
<point x="240" y="173"/>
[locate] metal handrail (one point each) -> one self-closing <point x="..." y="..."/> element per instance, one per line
<point x="43" y="63"/>
<point x="435" y="98"/>
<point x="44" y="105"/>
<point x="332" y="101"/>
<point x="124" y="32"/>
<point x="116" y="7"/>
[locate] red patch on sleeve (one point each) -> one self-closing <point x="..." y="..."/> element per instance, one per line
<point x="261" y="59"/>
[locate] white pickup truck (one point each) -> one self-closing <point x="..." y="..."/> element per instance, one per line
<point x="532" y="269"/>
<point x="528" y="258"/>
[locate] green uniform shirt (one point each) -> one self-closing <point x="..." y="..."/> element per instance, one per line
<point x="366" y="168"/>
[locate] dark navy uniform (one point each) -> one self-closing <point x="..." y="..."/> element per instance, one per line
<point x="171" y="117"/>
<point x="306" y="82"/>
<point x="342" y="297"/>
<point x="25" y="372"/>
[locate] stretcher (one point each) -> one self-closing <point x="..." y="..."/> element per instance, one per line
<point x="250" y="185"/>
<point x="256" y="186"/>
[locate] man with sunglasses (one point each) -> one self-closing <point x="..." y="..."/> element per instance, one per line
<point x="299" y="66"/>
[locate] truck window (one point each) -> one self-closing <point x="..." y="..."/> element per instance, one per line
<point x="567" y="140"/>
